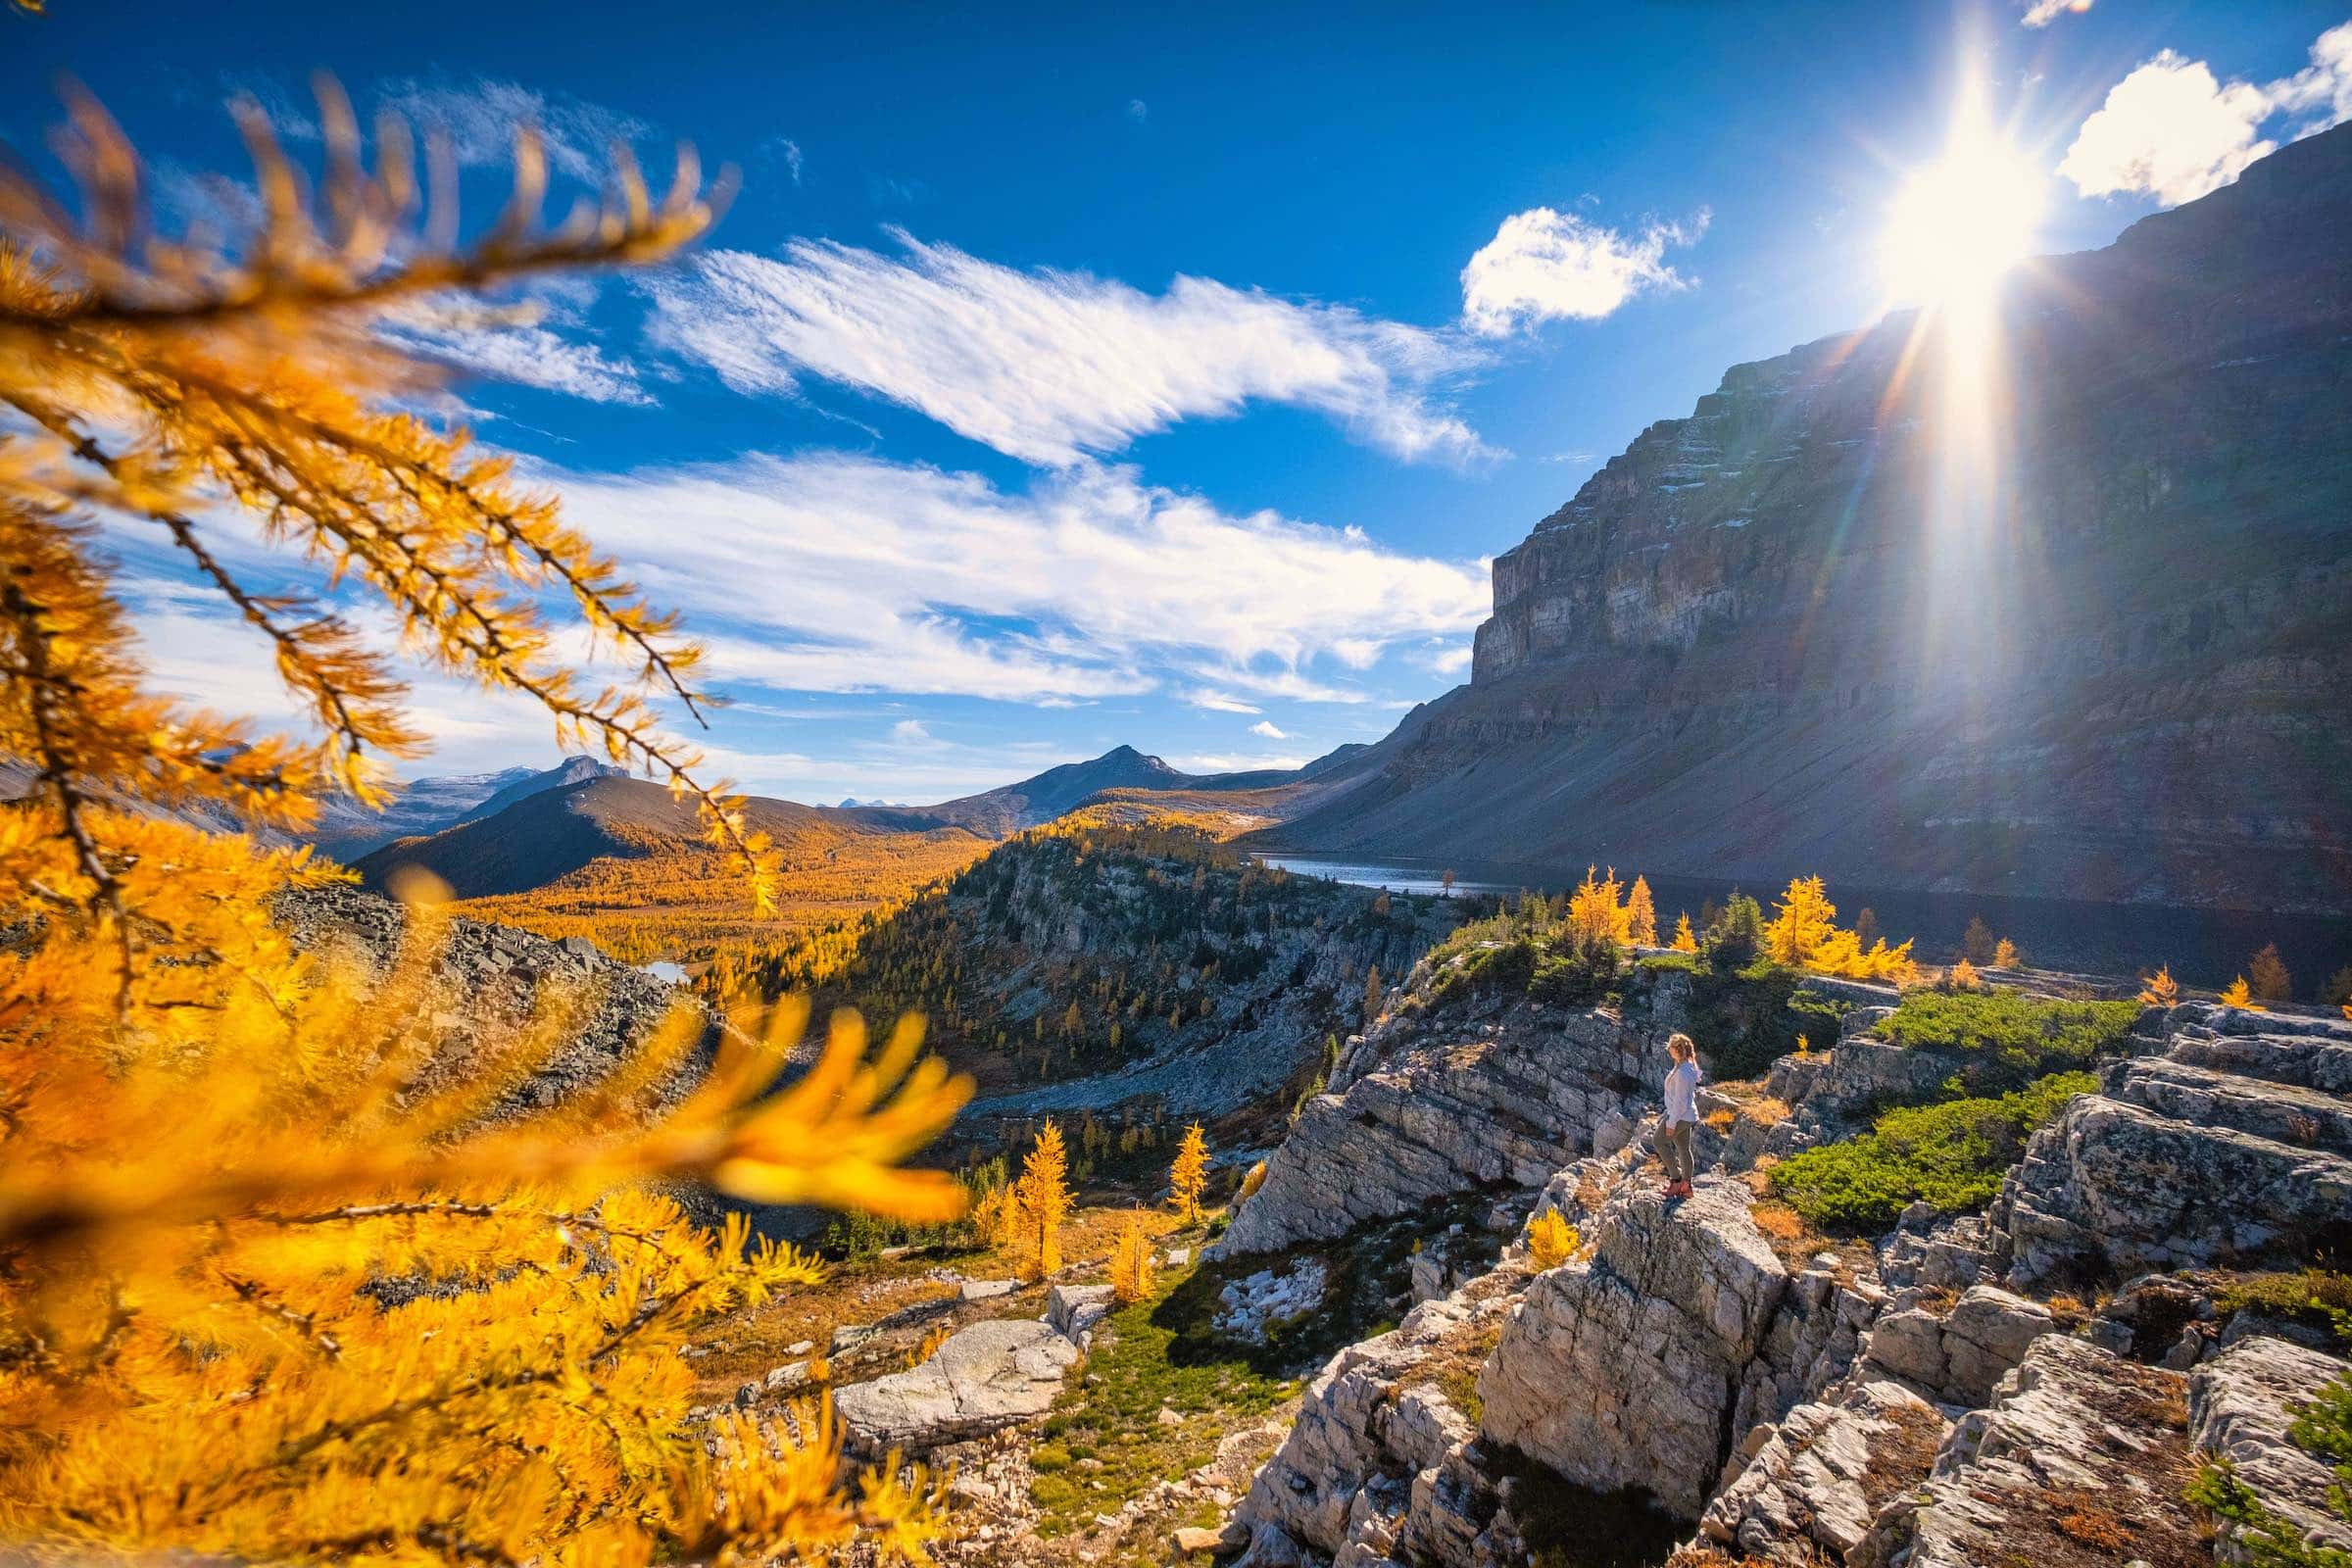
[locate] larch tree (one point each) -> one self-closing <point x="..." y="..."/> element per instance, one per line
<point x="1372" y="995"/>
<point x="1042" y="1199"/>
<point x="1801" y="923"/>
<point x="2267" y="974"/>
<point x="1131" y="1261"/>
<point x="214" y="1147"/>
<point x="2160" y="990"/>
<point x="1640" y="914"/>
<point x="1686" y="940"/>
<point x="1976" y="944"/>
<point x="1187" y="1177"/>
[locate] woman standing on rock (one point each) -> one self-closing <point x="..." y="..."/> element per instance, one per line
<point x="1682" y="1115"/>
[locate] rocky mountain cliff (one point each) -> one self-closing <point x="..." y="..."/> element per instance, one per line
<point x="2087" y="634"/>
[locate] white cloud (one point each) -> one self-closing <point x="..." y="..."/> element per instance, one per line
<point x="2041" y="12"/>
<point x="2322" y="91"/>
<point x="910" y="732"/>
<point x="830" y="572"/>
<point x="1449" y="660"/>
<point x="783" y="150"/>
<point x="2172" y="130"/>
<point x="1221" y="702"/>
<point x="1227" y="763"/>
<point x="479" y="119"/>
<point x="1268" y="728"/>
<point x="521" y="344"/>
<point x="1138" y="110"/>
<point x="1543" y="265"/>
<point x="1050" y="365"/>
<point x="2169" y="129"/>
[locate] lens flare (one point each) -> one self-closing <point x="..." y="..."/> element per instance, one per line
<point x="1958" y="225"/>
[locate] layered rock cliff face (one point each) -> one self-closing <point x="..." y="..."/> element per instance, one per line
<point x="2081" y="628"/>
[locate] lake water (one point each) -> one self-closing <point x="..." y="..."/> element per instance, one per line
<point x="665" y="972"/>
<point x="2205" y="947"/>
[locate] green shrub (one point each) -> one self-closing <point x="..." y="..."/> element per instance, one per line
<point x="2011" y="1039"/>
<point x="1952" y="1154"/>
<point x="1575" y="979"/>
<point x="2316" y="1297"/>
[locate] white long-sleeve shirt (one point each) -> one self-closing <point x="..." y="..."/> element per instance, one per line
<point x="1681" y="1093"/>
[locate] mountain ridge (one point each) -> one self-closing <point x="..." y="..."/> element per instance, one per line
<point x="1749" y="648"/>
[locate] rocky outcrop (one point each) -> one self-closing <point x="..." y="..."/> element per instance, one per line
<point x="1377" y="1464"/>
<point x="2178" y="1163"/>
<point x="2240" y="1405"/>
<point x="981" y="1380"/>
<point x="1770" y="598"/>
<point x="1625" y="1370"/>
<point x="1817" y="1481"/>
<point x="2080" y="1450"/>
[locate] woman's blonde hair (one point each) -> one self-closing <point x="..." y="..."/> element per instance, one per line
<point x="1681" y="1047"/>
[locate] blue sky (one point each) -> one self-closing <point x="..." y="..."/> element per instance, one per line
<point x="1068" y="378"/>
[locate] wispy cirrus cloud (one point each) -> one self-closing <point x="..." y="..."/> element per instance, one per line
<point x="1543" y="265"/>
<point x="1051" y="366"/>
<point x="2174" y="131"/>
<point x="544" y="341"/>
<point x="830" y="572"/>
<point x="478" y="117"/>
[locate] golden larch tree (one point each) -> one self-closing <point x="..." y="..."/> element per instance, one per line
<point x="1131" y="1261"/>
<point x="1041" y="1198"/>
<point x="1686" y="940"/>
<point x="1550" y="1240"/>
<point x="217" y="1152"/>
<point x="1187" y="1177"/>
<point x="1802" y="925"/>
<point x="2267" y="974"/>
<point x="2160" y="990"/>
<point x="2237" y="995"/>
<point x="1640" y="914"/>
<point x="1597" y="916"/>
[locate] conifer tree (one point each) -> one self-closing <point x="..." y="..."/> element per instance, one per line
<point x="2005" y="954"/>
<point x="1977" y="941"/>
<point x="1550" y="1240"/>
<point x="2160" y="990"/>
<point x="1684" y="939"/>
<point x="2237" y="995"/>
<point x="212" y="1145"/>
<point x="1802" y="922"/>
<point x="2267" y="974"/>
<point x="1962" y="976"/>
<point x="1189" y="1175"/>
<point x="1372" y="995"/>
<point x="1866" y="928"/>
<point x="1131" y="1262"/>
<point x="1042" y="1201"/>
<point x="1640" y="914"/>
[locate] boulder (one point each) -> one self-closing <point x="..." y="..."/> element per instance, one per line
<point x="1623" y="1370"/>
<point x="1959" y="1359"/>
<point x="984" y="1378"/>
<point x="1075" y="1310"/>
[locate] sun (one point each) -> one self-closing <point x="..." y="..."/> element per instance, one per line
<point x="1958" y="225"/>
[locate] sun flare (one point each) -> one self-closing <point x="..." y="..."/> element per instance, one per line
<point x="1958" y="225"/>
